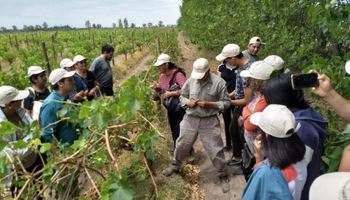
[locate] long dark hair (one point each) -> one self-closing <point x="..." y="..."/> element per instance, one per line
<point x="174" y="66"/>
<point x="278" y="90"/>
<point x="283" y="152"/>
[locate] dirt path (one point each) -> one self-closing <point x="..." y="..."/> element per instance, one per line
<point x="137" y="69"/>
<point x="208" y="181"/>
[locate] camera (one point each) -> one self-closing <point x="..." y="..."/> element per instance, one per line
<point x="300" y="81"/>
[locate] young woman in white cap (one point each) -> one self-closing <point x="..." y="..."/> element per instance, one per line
<point x="253" y="49"/>
<point x="283" y="148"/>
<point x="87" y="78"/>
<point x="171" y="80"/>
<point x="38" y="92"/>
<point x="278" y="90"/>
<point x="10" y="110"/>
<point x="258" y="73"/>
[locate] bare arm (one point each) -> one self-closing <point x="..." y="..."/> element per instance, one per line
<point x="248" y="93"/>
<point x="335" y="100"/>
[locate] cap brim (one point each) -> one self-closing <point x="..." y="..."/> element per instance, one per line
<point x="76" y="61"/>
<point x="255" y="118"/>
<point x="245" y="74"/>
<point x="69" y="74"/>
<point x="334" y="182"/>
<point x="347" y="67"/>
<point x="197" y="75"/>
<point x="22" y="94"/>
<point x="39" y="72"/>
<point x="158" y="63"/>
<point x="220" y="57"/>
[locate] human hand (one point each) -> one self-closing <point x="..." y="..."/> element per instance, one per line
<point x="192" y="103"/>
<point x="232" y="94"/>
<point x="202" y="103"/>
<point x="165" y="95"/>
<point x="325" y="88"/>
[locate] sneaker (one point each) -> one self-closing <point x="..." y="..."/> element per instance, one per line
<point x="170" y="170"/>
<point x="225" y="184"/>
<point x="235" y="161"/>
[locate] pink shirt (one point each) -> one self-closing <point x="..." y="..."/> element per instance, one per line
<point x="165" y="79"/>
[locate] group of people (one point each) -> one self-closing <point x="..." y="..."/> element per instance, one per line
<point x="73" y="81"/>
<point x="263" y="115"/>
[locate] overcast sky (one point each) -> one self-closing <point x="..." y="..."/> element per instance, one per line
<point x="76" y="12"/>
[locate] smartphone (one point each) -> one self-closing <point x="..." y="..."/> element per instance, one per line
<point x="300" y="81"/>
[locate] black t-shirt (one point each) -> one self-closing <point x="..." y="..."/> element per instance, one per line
<point x="28" y="102"/>
<point x="89" y="80"/>
<point x="229" y="75"/>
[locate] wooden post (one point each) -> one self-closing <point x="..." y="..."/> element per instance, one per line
<point x="53" y="46"/>
<point x="110" y="40"/>
<point x="16" y="43"/>
<point x="93" y="41"/>
<point x="167" y="38"/>
<point x="158" y="45"/>
<point x="43" y="47"/>
<point x="27" y="42"/>
<point x="10" y="40"/>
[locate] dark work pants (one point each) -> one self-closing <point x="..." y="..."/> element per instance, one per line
<point x="227" y="115"/>
<point x="237" y="133"/>
<point x="175" y="118"/>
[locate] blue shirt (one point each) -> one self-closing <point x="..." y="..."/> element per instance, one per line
<point x="251" y="58"/>
<point x="267" y="182"/>
<point x="63" y="131"/>
<point x="79" y="86"/>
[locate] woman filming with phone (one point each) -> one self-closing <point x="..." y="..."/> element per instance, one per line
<point x="279" y="90"/>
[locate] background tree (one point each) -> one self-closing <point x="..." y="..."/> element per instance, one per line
<point x="87" y="24"/>
<point x="45" y="26"/>
<point x="126" y="24"/>
<point x="160" y="23"/>
<point x="144" y="25"/>
<point x="14" y="28"/>
<point x="150" y="24"/>
<point x="93" y="25"/>
<point x="132" y="25"/>
<point x="120" y="23"/>
<point x="114" y="25"/>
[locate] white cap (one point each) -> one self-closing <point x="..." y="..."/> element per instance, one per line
<point x="78" y="58"/>
<point x="9" y="93"/>
<point x="57" y="74"/>
<point x="275" y="120"/>
<point x="275" y="61"/>
<point x="347" y="67"/>
<point x="200" y="67"/>
<point x="32" y="70"/>
<point x="162" y="58"/>
<point x="335" y="186"/>
<point x="258" y="70"/>
<point x="66" y="62"/>
<point x="230" y="50"/>
<point x="255" y="39"/>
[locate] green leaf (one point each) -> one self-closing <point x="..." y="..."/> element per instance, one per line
<point x="7" y="128"/>
<point x="20" y="144"/>
<point x="45" y="147"/>
<point x="119" y="192"/>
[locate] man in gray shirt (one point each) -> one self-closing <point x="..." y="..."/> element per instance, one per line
<point x="103" y="71"/>
<point x="253" y="49"/>
<point x="204" y="95"/>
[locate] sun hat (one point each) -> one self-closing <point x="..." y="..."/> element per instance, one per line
<point x="162" y="58"/>
<point x="66" y="62"/>
<point x="255" y="39"/>
<point x="230" y="50"/>
<point x="9" y="93"/>
<point x="32" y="70"/>
<point x="200" y="67"/>
<point x="57" y="74"/>
<point x="258" y="70"/>
<point x="275" y="61"/>
<point x="275" y="120"/>
<point x="347" y="67"/>
<point x="78" y="58"/>
<point x="335" y="186"/>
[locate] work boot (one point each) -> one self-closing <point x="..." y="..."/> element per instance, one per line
<point x="170" y="170"/>
<point x="225" y="184"/>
